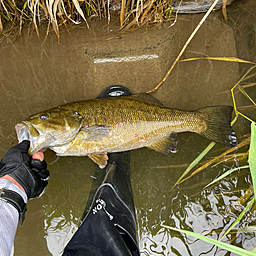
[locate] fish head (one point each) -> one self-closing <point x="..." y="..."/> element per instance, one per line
<point x="55" y="127"/>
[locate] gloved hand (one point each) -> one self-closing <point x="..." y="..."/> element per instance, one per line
<point x="31" y="174"/>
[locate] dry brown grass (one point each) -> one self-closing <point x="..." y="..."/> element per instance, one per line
<point x="132" y="13"/>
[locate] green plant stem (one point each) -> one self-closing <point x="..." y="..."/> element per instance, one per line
<point x="224" y="175"/>
<point x="225" y="246"/>
<point x="239" y="217"/>
<point x="196" y="161"/>
<point x="252" y="156"/>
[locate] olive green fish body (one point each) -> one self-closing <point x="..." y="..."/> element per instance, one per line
<point x="124" y="123"/>
<point x="131" y="119"/>
<point x="132" y="123"/>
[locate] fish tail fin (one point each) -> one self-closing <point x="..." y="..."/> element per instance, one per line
<point x="218" y="125"/>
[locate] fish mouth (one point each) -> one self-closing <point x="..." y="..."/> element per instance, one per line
<point x="40" y="139"/>
<point x="23" y="133"/>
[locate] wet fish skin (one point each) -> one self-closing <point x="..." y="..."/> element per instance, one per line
<point x="138" y="122"/>
<point x="49" y="128"/>
<point x="125" y="123"/>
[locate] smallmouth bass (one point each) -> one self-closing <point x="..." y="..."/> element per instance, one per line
<point x="99" y="126"/>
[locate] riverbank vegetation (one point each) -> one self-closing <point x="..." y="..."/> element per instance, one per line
<point x="132" y="14"/>
<point x="243" y="223"/>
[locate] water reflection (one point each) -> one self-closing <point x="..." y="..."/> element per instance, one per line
<point x="57" y="234"/>
<point x="210" y="212"/>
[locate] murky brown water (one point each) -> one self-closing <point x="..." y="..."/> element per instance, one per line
<point x="40" y="73"/>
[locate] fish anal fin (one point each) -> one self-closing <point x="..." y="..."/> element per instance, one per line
<point x="100" y="159"/>
<point x="166" y="145"/>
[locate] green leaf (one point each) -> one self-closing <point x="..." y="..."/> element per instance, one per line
<point x="249" y="205"/>
<point x="196" y="161"/>
<point x="224" y="175"/>
<point x="228" y="247"/>
<point x="247" y="229"/>
<point x="252" y="156"/>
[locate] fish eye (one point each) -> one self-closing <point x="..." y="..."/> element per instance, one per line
<point x="44" y="117"/>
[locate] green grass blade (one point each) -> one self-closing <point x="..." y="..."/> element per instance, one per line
<point x="224" y="175"/>
<point x="238" y="155"/>
<point x="245" y="94"/>
<point x="245" y="117"/>
<point x="244" y="77"/>
<point x="196" y="161"/>
<point x="239" y="217"/>
<point x="228" y="247"/>
<point x="248" y="229"/>
<point x="252" y="156"/>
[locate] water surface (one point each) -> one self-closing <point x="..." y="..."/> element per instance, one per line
<point x="40" y="73"/>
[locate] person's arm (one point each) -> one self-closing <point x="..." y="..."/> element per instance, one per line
<point x="9" y="217"/>
<point x="21" y="178"/>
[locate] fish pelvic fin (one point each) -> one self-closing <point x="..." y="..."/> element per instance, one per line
<point x="100" y="159"/>
<point x="166" y="145"/>
<point x="218" y="128"/>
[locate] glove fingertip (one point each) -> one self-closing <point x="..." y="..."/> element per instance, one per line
<point x="36" y="163"/>
<point x="25" y="144"/>
<point x="43" y="173"/>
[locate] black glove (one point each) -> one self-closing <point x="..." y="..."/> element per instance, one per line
<point x="31" y="174"/>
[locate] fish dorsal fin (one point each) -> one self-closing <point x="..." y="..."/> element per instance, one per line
<point x="100" y="159"/>
<point x="94" y="132"/>
<point x="166" y="145"/>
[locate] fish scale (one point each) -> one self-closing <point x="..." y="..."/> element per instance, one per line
<point x="124" y="123"/>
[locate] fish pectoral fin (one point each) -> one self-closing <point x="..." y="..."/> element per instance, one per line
<point x="95" y="132"/>
<point x="166" y="145"/>
<point x="100" y="159"/>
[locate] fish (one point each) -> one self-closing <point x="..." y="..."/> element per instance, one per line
<point x="96" y="127"/>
